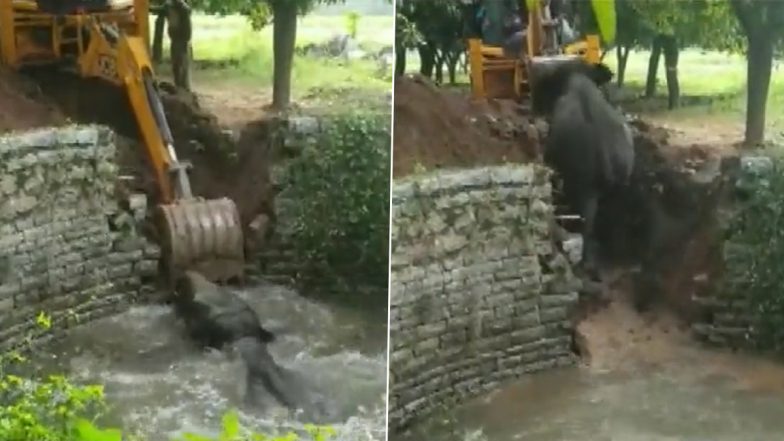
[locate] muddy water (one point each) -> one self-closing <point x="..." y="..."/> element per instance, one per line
<point x="575" y="405"/>
<point x="158" y="385"/>
<point x="645" y="380"/>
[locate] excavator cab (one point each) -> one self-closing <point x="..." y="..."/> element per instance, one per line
<point x="108" y="40"/>
<point x="500" y="71"/>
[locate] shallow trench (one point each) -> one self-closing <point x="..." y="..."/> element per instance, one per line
<point x="642" y="375"/>
<point x="159" y="385"/>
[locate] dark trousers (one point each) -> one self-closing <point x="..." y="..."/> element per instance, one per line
<point x="61" y="7"/>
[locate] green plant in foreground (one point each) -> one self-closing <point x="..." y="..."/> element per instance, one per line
<point x="232" y="430"/>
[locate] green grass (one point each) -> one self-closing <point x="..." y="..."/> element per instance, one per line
<point x="713" y="84"/>
<point x="228" y="50"/>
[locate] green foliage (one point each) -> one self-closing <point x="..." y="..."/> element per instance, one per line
<point x="259" y="16"/>
<point x="604" y="11"/>
<point x="754" y="251"/>
<point x="341" y="184"/>
<point x="50" y="408"/>
<point x="407" y="35"/>
<point x="352" y="22"/>
<point x="705" y="23"/>
<point x="435" y="27"/>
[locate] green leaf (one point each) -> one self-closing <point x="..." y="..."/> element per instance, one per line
<point x="86" y="431"/>
<point x="231" y="425"/>
<point x="604" y="10"/>
<point x="195" y="437"/>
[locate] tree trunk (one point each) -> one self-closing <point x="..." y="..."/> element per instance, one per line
<point x="400" y="61"/>
<point x="759" y="66"/>
<point x="427" y="59"/>
<point x="653" y="67"/>
<point x="284" y="37"/>
<point x="157" y="37"/>
<point x="671" y="52"/>
<point x="623" y="57"/>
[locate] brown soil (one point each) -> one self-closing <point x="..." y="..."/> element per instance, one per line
<point x="436" y="128"/>
<point x="221" y="165"/>
<point x="22" y="104"/>
<point x="620" y="340"/>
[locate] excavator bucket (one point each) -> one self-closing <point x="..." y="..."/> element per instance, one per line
<point x="203" y="235"/>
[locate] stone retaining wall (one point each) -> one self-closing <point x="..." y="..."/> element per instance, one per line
<point x="480" y="293"/>
<point x="67" y="248"/>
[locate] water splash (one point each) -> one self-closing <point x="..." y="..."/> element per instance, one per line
<point x="160" y="386"/>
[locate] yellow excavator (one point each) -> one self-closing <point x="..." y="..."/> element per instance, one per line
<point x="496" y="74"/>
<point x="109" y="40"/>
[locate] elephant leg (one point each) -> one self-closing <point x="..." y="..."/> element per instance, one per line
<point x="589" y="207"/>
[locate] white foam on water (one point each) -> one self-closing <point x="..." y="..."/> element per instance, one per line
<point x="160" y="386"/>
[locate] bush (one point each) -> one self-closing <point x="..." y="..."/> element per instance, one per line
<point x="754" y="252"/>
<point x="341" y="184"/>
<point x="54" y="409"/>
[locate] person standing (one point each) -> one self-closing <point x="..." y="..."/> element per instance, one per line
<point x="180" y="33"/>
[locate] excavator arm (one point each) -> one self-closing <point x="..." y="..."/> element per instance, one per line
<point x="196" y="233"/>
<point x="123" y="60"/>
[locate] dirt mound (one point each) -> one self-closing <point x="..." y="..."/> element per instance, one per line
<point x="23" y="105"/>
<point x="618" y="339"/>
<point x="437" y="128"/>
<point x="221" y="165"/>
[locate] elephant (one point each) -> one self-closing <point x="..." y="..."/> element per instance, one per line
<point x="550" y="81"/>
<point x="268" y="382"/>
<point x="215" y="316"/>
<point x="589" y="144"/>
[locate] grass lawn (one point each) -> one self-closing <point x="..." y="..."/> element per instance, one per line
<point x="245" y="55"/>
<point x="713" y="85"/>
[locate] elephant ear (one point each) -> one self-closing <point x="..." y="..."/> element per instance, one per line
<point x="602" y="74"/>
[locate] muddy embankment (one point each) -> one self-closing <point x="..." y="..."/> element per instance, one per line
<point x="437" y="128"/>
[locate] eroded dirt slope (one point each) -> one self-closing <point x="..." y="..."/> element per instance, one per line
<point x="23" y="105"/>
